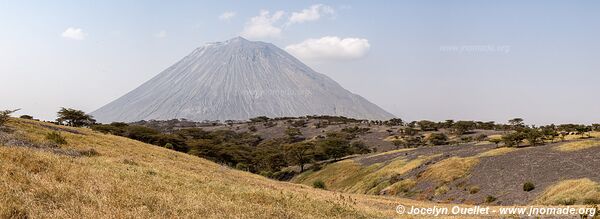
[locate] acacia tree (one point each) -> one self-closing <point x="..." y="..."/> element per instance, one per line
<point x="516" y="123"/>
<point x="4" y="115"/>
<point x="582" y="129"/>
<point x="300" y="153"/>
<point x="73" y="117"/>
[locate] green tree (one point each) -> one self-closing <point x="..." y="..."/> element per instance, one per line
<point x="334" y="148"/>
<point x="300" y="153"/>
<point x="426" y="125"/>
<point x="359" y="147"/>
<point x="534" y="137"/>
<point x="26" y="117"/>
<point x="582" y="129"/>
<point x="394" y="122"/>
<point x="513" y="139"/>
<point x="463" y="127"/>
<point x="73" y="117"/>
<point x="516" y="123"/>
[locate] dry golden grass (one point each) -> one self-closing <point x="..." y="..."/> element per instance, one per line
<point x="391" y="152"/>
<point x="349" y="176"/>
<point x="574" y="191"/>
<point x="401" y="186"/>
<point x="496" y="152"/>
<point x="129" y="179"/>
<point x="450" y="169"/>
<point x="392" y="138"/>
<point x="578" y="145"/>
<point x="593" y="134"/>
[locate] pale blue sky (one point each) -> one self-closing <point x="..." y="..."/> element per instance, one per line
<point x="434" y="60"/>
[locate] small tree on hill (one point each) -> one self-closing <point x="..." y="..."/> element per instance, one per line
<point x="26" y="117"/>
<point x="4" y="115"/>
<point x="516" y="123"/>
<point x="582" y="129"/>
<point x="73" y="117"/>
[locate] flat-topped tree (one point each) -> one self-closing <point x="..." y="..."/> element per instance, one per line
<point x="73" y="117"/>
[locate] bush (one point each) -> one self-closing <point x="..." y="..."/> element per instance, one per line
<point x="437" y="139"/>
<point x="528" y="186"/>
<point x="319" y="184"/>
<point x="591" y="201"/>
<point x="242" y="166"/>
<point x="567" y="201"/>
<point x="26" y="117"/>
<point x="490" y="199"/>
<point x="56" y="138"/>
<point x="4" y="115"/>
<point x="252" y="128"/>
<point x="89" y="153"/>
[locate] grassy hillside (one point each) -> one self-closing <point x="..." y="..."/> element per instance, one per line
<point x="105" y="176"/>
<point x="472" y="174"/>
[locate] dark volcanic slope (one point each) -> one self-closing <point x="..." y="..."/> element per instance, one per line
<point x="238" y="79"/>
<point x="501" y="176"/>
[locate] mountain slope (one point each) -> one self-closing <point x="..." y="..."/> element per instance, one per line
<point x="129" y="179"/>
<point x="238" y="79"/>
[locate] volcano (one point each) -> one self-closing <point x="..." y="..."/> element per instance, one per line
<point x="237" y="80"/>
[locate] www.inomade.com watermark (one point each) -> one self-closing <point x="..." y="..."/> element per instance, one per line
<point x="530" y="211"/>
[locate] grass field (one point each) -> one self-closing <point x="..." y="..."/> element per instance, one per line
<point x="577" y="145"/>
<point x="569" y="192"/>
<point x="104" y="176"/>
<point x="129" y="179"/>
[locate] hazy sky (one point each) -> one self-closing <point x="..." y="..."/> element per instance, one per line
<point x="482" y="60"/>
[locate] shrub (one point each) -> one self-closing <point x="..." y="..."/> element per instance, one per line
<point x="242" y="166"/>
<point x="528" y="186"/>
<point x="252" y="128"/>
<point x="480" y="137"/>
<point x="474" y="190"/>
<point x="89" y="152"/>
<point x="490" y="199"/>
<point x="4" y="115"/>
<point x="567" y="201"/>
<point x="319" y="184"/>
<point x="56" y="138"/>
<point x="591" y="201"/>
<point x="26" y="117"/>
<point x="441" y="190"/>
<point x="437" y="139"/>
<point x="496" y="141"/>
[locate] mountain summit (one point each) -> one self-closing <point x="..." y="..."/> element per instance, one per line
<point x="238" y="79"/>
